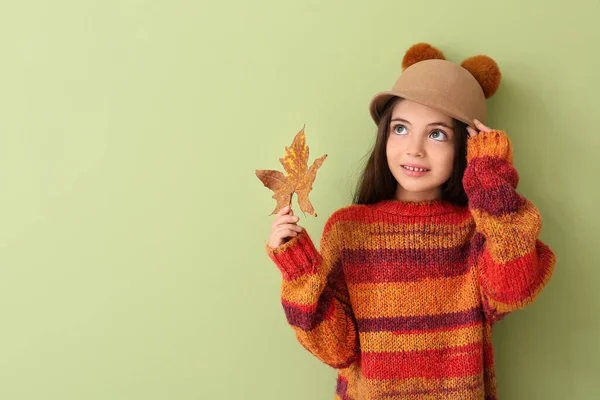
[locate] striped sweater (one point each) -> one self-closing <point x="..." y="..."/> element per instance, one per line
<point x="402" y="296"/>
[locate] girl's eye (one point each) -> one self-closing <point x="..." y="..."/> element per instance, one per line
<point x="439" y="135"/>
<point x="400" y="129"/>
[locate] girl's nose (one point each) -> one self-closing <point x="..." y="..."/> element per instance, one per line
<point x="415" y="147"/>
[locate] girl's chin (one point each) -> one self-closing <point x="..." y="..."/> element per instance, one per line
<point x="419" y="186"/>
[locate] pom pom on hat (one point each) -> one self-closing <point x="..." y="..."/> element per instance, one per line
<point x="486" y="71"/>
<point x="421" y="52"/>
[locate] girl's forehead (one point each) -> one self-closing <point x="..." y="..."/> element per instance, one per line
<point x="407" y="109"/>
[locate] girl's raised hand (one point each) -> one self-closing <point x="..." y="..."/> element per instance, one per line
<point x="478" y="125"/>
<point x="285" y="226"/>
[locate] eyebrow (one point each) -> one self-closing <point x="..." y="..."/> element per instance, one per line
<point x="431" y="124"/>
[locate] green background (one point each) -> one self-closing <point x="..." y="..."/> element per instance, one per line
<point x="132" y="226"/>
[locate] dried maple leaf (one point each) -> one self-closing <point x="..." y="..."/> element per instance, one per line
<point x="299" y="179"/>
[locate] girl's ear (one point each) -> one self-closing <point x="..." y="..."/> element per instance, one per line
<point x="421" y="52"/>
<point x="486" y="71"/>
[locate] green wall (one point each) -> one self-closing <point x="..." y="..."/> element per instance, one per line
<point x="132" y="227"/>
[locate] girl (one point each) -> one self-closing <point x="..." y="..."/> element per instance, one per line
<point x="437" y="247"/>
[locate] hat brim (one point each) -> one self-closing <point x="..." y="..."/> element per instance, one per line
<point x="380" y="100"/>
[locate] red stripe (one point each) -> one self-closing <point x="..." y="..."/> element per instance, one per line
<point x="488" y="356"/>
<point x="367" y="214"/>
<point x="516" y="280"/>
<point x="445" y="363"/>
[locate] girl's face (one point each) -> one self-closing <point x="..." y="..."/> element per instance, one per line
<point x="420" y="138"/>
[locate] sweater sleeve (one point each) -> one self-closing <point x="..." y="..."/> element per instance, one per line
<point x="315" y="297"/>
<point x="513" y="265"/>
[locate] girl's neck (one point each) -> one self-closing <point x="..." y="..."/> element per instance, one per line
<point x="418" y="197"/>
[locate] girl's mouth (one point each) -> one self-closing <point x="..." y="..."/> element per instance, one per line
<point x="412" y="171"/>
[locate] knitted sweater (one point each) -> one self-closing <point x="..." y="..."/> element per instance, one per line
<point x="402" y="296"/>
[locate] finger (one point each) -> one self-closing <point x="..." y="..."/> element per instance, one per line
<point x="472" y="132"/>
<point x="288" y="233"/>
<point x="281" y="214"/>
<point x="481" y="126"/>
<point x="288" y="227"/>
<point x="284" y="234"/>
<point x="286" y="219"/>
<point x="283" y="211"/>
<point x="282" y="221"/>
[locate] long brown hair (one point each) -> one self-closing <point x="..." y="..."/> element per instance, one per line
<point x="377" y="182"/>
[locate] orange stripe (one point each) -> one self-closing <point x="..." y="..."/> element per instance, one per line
<point x="510" y="236"/>
<point x="406" y="236"/>
<point x="388" y="341"/>
<point x="455" y="388"/>
<point x="493" y="144"/>
<point x="334" y="329"/>
<point x="303" y="291"/>
<point x="428" y="297"/>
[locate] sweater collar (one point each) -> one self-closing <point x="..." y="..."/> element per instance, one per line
<point x="416" y="208"/>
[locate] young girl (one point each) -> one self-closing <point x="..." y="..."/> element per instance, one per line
<point x="437" y="247"/>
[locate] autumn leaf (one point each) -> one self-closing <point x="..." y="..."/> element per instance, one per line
<point x="299" y="177"/>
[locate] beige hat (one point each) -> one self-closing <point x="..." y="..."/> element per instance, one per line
<point x="458" y="91"/>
